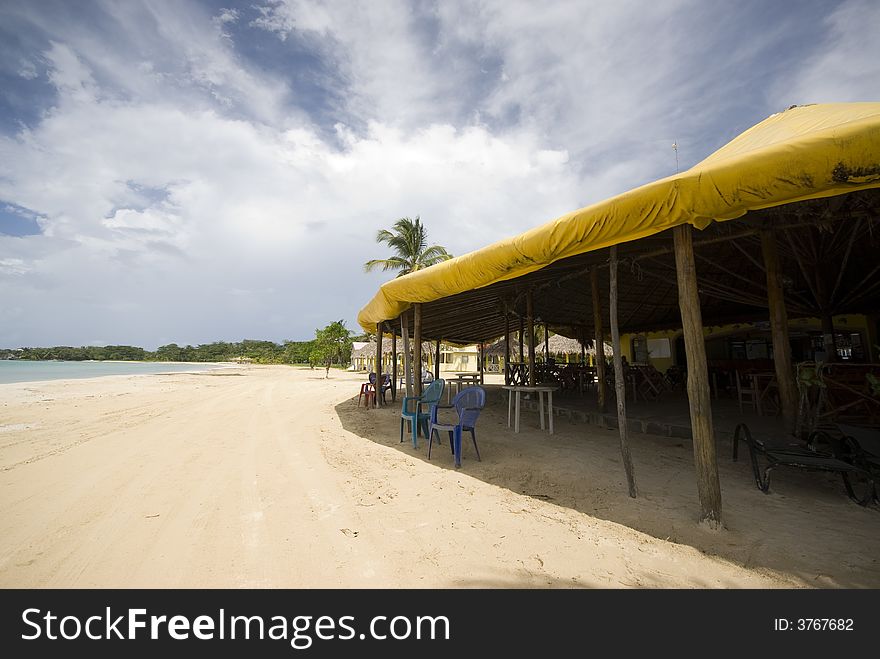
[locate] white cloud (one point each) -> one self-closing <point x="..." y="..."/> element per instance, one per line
<point x="846" y="65"/>
<point x="13" y="266"/>
<point x="227" y="16"/>
<point x="27" y="69"/>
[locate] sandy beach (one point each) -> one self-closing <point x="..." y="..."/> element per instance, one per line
<point x="272" y="476"/>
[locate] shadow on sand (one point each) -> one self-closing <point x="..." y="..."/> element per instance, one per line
<point x="806" y="527"/>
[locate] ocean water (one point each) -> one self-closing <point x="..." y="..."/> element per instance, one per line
<point x="13" y="370"/>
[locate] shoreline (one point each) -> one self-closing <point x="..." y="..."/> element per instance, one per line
<point x="196" y="367"/>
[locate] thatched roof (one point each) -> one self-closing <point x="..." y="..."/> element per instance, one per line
<point x="497" y="347"/>
<point x="562" y="345"/>
<point x="559" y="345"/>
<point x="369" y="350"/>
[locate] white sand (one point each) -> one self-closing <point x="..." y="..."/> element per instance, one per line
<point x="272" y="477"/>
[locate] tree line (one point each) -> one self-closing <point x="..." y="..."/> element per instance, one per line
<point x="331" y="346"/>
<point x="261" y="352"/>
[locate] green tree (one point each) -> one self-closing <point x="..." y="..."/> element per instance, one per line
<point x="409" y="240"/>
<point x="333" y="343"/>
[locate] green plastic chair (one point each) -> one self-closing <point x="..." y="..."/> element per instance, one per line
<point x="416" y="409"/>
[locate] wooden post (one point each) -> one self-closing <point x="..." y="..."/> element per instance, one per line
<point x="788" y="393"/>
<point x="522" y="341"/>
<point x="546" y="345"/>
<point x="828" y="337"/>
<point x="598" y="342"/>
<point x="530" y="321"/>
<point x="506" y="347"/>
<point x="708" y="485"/>
<point x="417" y="349"/>
<point x="437" y="360"/>
<point x="378" y="396"/>
<point x="407" y="355"/>
<point x="393" y="365"/>
<point x="482" y="357"/>
<point x="619" y="383"/>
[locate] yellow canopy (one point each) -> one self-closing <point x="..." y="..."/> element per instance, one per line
<point x="805" y="152"/>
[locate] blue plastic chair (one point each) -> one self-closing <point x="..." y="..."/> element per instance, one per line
<point x="468" y="403"/>
<point x="411" y="409"/>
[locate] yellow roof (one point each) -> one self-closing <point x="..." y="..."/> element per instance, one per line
<point x="805" y="152"/>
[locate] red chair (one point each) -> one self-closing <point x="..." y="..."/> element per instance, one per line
<point x="368" y="392"/>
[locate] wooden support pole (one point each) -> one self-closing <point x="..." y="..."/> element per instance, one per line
<point x="522" y="341"/>
<point x="506" y="347"/>
<point x="823" y="297"/>
<point x="417" y="349"/>
<point x="828" y="337"/>
<point x="705" y="460"/>
<point x="437" y="360"/>
<point x="407" y="355"/>
<point x="546" y="344"/>
<point x="598" y="342"/>
<point x="530" y="321"/>
<point x="788" y="392"/>
<point x="393" y="365"/>
<point x="378" y="396"/>
<point x="619" y="383"/>
<point x="482" y="357"/>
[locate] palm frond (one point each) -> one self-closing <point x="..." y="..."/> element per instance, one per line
<point x="393" y="263"/>
<point x="435" y="254"/>
<point x="408" y="239"/>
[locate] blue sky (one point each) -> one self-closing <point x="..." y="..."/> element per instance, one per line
<point x="183" y="171"/>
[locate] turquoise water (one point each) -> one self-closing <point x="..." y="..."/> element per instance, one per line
<point x="12" y="370"/>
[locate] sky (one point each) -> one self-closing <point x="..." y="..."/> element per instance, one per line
<point x="191" y="171"/>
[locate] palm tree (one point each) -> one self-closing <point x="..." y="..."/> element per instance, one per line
<point x="410" y="240"/>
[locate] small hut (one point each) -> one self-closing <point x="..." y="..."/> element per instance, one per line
<point x="569" y="350"/>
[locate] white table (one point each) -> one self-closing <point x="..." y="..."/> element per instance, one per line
<point x="460" y="380"/>
<point x="541" y="391"/>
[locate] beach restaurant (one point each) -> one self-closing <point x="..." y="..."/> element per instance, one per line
<point x="780" y="224"/>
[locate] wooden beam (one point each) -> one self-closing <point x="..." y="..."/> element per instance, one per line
<point x="417" y="349"/>
<point x="825" y="313"/>
<point x="522" y="341"/>
<point x="705" y="460"/>
<point x="598" y="342"/>
<point x="546" y="344"/>
<point x="828" y="342"/>
<point x="859" y="290"/>
<point x="788" y="393"/>
<point x="619" y="382"/>
<point x="378" y="397"/>
<point x="506" y="347"/>
<point x="481" y="351"/>
<point x="437" y="360"/>
<point x="746" y="254"/>
<point x="796" y="250"/>
<point x="842" y="264"/>
<point x="393" y="366"/>
<point x="530" y="321"/>
<point x="407" y="355"/>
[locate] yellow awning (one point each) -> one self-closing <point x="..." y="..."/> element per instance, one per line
<point x="805" y="152"/>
